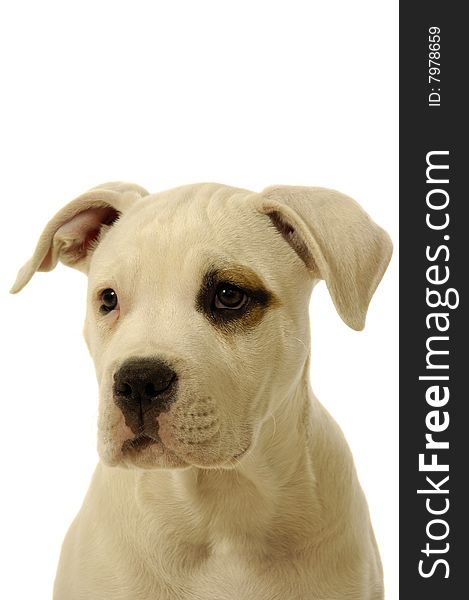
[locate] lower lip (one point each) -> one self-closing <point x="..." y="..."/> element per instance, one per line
<point x="139" y="443"/>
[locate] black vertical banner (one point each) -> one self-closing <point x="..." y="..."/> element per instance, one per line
<point x="434" y="256"/>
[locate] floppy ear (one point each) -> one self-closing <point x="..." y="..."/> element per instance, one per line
<point x="336" y="240"/>
<point x="71" y="236"/>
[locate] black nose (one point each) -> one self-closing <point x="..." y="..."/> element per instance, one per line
<point x="142" y="384"/>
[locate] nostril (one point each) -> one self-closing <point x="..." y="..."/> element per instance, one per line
<point x="124" y="390"/>
<point x="150" y="390"/>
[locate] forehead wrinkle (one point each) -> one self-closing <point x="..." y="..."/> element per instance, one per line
<point x="167" y="235"/>
<point x="199" y="211"/>
<point x="180" y="201"/>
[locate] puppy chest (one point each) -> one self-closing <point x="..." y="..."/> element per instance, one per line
<point x="227" y="576"/>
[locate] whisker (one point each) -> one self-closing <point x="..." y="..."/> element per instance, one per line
<point x="275" y="427"/>
<point x="301" y="342"/>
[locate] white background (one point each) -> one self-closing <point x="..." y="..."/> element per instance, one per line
<point x="165" y="93"/>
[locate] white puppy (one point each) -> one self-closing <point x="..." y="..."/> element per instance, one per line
<point x="221" y="475"/>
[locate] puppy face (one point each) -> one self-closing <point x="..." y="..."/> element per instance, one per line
<point x="197" y="317"/>
<point x="200" y="281"/>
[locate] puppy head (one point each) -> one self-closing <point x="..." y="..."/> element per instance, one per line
<point x="197" y="312"/>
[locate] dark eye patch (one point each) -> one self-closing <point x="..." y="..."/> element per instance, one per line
<point x="218" y="284"/>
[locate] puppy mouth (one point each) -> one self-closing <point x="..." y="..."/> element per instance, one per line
<point x="135" y="449"/>
<point x="139" y="442"/>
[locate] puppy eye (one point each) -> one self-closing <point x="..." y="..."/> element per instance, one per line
<point x="230" y="297"/>
<point x="109" y="301"/>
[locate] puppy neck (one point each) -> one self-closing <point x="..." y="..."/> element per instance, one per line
<point x="258" y="504"/>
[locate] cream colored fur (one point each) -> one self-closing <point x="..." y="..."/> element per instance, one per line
<point x="252" y="493"/>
